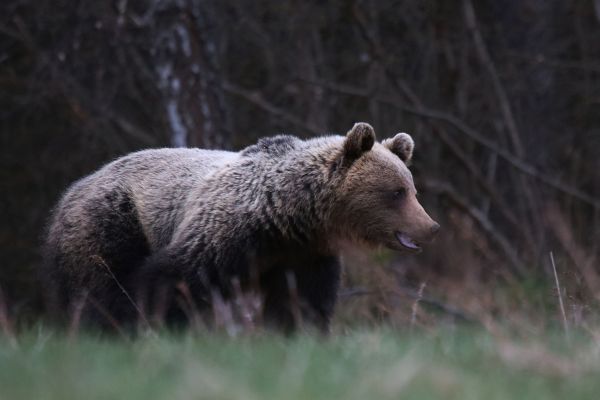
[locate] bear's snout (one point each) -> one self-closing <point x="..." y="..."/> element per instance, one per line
<point x="435" y="228"/>
<point x="429" y="233"/>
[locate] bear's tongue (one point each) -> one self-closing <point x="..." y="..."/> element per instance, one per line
<point x="406" y="241"/>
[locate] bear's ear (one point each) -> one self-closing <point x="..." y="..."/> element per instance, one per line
<point x="359" y="140"/>
<point x="401" y="145"/>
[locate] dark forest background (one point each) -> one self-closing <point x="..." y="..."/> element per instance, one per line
<point x="501" y="97"/>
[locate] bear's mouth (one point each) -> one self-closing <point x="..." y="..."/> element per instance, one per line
<point x="407" y="242"/>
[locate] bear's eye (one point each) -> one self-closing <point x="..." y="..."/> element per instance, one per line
<point x="400" y="193"/>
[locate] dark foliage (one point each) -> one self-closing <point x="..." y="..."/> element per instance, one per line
<point x="502" y="98"/>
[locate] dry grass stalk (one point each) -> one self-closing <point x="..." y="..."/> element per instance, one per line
<point x="415" y="307"/>
<point x="189" y="306"/>
<point x="140" y="313"/>
<point x="111" y="320"/>
<point x="560" y="300"/>
<point x="77" y="311"/>
<point x="583" y="260"/>
<point x="223" y="314"/>
<point x="247" y="307"/>
<point x="5" y="322"/>
<point x="294" y="298"/>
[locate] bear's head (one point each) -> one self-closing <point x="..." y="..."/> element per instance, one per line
<point x="377" y="200"/>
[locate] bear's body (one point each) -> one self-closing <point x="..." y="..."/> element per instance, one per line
<point x="123" y="238"/>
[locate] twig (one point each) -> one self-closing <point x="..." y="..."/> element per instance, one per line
<point x="413" y="294"/>
<point x="560" y="300"/>
<point x="133" y="303"/>
<point x="111" y="320"/>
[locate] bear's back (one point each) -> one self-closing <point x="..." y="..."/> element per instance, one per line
<point x="156" y="182"/>
<point x="160" y="181"/>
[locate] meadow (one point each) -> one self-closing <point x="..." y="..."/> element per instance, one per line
<point x="373" y="363"/>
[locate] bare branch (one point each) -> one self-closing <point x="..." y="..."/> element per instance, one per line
<point x="518" y="266"/>
<point x="488" y="63"/>
<point x="412" y="294"/>
<point x="258" y="100"/>
<point x="458" y="124"/>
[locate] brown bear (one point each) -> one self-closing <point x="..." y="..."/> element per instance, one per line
<point x="270" y="218"/>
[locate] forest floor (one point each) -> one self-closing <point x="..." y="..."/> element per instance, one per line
<point x="452" y="363"/>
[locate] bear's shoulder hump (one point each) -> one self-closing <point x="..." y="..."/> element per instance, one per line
<point x="274" y="145"/>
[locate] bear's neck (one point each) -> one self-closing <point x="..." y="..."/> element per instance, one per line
<point x="297" y="195"/>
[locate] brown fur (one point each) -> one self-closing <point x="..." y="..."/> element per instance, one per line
<point x="275" y="210"/>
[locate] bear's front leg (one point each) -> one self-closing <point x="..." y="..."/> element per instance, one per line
<point x="302" y="295"/>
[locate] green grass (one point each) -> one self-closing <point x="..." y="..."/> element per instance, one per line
<point x="374" y="364"/>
